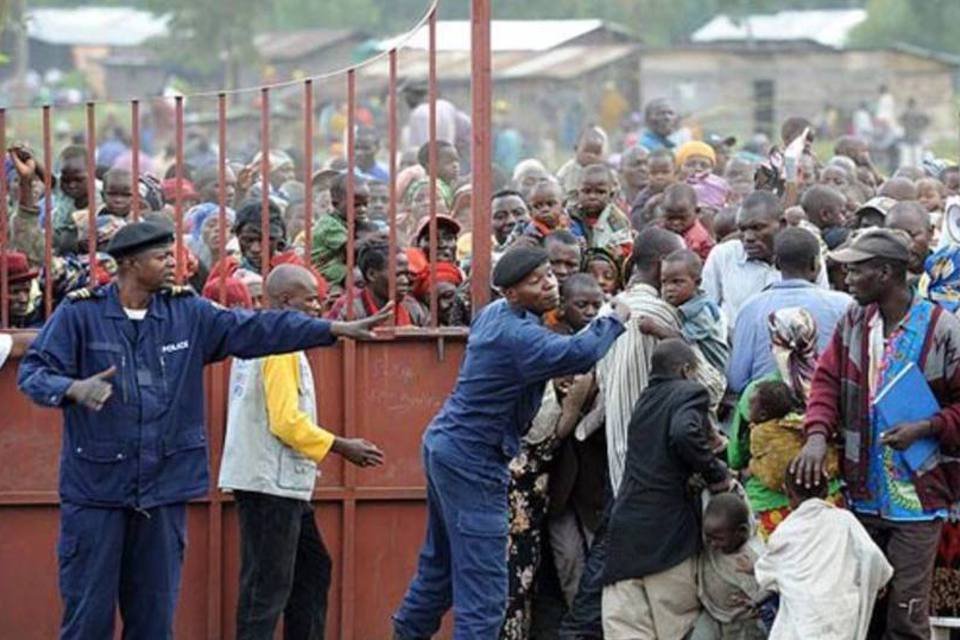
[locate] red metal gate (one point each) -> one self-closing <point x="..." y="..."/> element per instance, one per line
<point x="372" y="521"/>
<point x="385" y="391"/>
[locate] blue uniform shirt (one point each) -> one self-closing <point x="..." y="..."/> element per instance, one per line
<point x="509" y="359"/>
<point x="148" y="445"/>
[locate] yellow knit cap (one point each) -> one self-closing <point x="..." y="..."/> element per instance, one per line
<point x="695" y="148"/>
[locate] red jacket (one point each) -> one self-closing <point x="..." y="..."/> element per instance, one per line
<point x="838" y="406"/>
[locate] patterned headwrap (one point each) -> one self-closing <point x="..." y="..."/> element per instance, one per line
<point x="151" y="192"/>
<point x="198" y="215"/>
<point x="107" y="227"/>
<point x="943" y="270"/>
<point x="793" y="337"/>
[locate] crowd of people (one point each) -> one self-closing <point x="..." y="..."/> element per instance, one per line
<point x="729" y="466"/>
<point x="716" y="464"/>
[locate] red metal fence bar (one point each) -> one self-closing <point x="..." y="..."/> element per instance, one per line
<point x="392" y="168"/>
<point x="265" y="181"/>
<point x="48" y="219"/>
<point x="481" y="154"/>
<point x="4" y="226"/>
<point x="178" y="201"/>
<point x="432" y="97"/>
<point x="307" y="168"/>
<point x="351" y="187"/>
<point x="91" y="187"/>
<point x="135" y="157"/>
<point x="222" y="189"/>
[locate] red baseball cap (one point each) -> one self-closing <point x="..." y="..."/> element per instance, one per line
<point x="18" y="268"/>
<point x="442" y="220"/>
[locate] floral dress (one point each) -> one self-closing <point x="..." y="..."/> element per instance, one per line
<point x="528" y="502"/>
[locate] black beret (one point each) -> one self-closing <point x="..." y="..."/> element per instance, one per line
<point x="516" y="264"/>
<point x="139" y="236"/>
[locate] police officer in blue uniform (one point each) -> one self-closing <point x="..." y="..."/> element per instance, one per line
<point x="509" y="359"/>
<point x="125" y="363"/>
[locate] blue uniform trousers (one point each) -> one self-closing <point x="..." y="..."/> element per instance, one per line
<point x="108" y="555"/>
<point x="463" y="561"/>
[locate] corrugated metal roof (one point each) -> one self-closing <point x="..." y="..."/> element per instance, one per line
<point x="290" y="45"/>
<point x="505" y="35"/>
<point x="564" y="63"/>
<point x="94" y="26"/>
<point x="561" y="63"/>
<point x="830" y="27"/>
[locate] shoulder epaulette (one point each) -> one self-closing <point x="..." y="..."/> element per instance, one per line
<point x="84" y="294"/>
<point x="177" y="291"/>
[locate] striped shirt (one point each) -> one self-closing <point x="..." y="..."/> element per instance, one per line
<point x="624" y="372"/>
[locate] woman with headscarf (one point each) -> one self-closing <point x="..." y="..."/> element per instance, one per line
<point x="793" y="337"/>
<point x="203" y="241"/>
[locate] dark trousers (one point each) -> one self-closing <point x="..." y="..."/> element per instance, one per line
<point x="584" y="620"/>
<point x="132" y="557"/>
<point x="463" y="561"/>
<point x="911" y="548"/>
<point x="284" y="568"/>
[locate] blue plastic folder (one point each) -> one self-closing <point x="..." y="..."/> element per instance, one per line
<point x="908" y="398"/>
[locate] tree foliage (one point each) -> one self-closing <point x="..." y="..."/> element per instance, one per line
<point x="931" y="24"/>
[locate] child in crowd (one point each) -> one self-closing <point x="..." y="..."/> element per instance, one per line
<point x="900" y="189"/>
<point x="739" y="175"/>
<point x="727" y="586"/>
<point x="835" y="176"/>
<point x="661" y="174"/>
<point x="546" y="210"/>
<point x="591" y="149"/>
<point x="702" y="323"/>
<point x="825" y="207"/>
<point x="595" y="219"/>
<point x="725" y="223"/>
<point x="825" y="567"/>
<point x="679" y="212"/>
<point x="950" y="177"/>
<point x="605" y="268"/>
<point x="776" y="434"/>
<point x="696" y="161"/>
<point x="117" y="193"/>
<point x="930" y="193"/>
<point x="650" y="571"/>
<point x="448" y="172"/>
<point x="794" y="216"/>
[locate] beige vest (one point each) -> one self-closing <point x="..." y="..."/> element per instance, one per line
<point x="253" y="458"/>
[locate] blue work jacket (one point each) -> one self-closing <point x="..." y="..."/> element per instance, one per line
<point x="147" y="446"/>
<point x="509" y="359"/>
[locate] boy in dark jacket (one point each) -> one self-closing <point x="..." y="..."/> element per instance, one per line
<point x="651" y="572"/>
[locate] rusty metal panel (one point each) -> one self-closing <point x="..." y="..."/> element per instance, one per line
<point x="372" y="520"/>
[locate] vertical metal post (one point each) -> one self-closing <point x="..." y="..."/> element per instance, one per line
<point x="91" y="187"/>
<point x="351" y="186"/>
<point x="392" y="167"/>
<point x="4" y="228"/>
<point x="432" y="98"/>
<point x="308" y="169"/>
<point x="265" y="181"/>
<point x="481" y="153"/>
<point x="135" y="157"/>
<point x="178" y="199"/>
<point x="222" y="188"/>
<point x="48" y="219"/>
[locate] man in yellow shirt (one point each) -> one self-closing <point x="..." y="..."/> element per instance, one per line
<point x="271" y="451"/>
